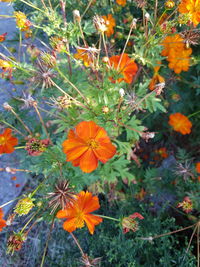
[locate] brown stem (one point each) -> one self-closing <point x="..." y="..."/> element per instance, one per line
<point x="77" y="243"/>
<point x="14" y="170"/>
<point x="47" y="242"/>
<point x="41" y="120"/>
<point x="88" y="6"/>
<point x="25" y="126"/>
<point x="127" y="40"/>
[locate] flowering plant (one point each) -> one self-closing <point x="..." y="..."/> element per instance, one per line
<point x="105" y="97"/>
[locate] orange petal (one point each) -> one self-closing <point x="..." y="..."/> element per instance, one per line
<point x="71" y="144"/>
<point x="2" y="224"/>
<point x="105" y="152"/>
<point x="87" y="130"/>
<point x="88" y="161"/>
<point x="92" y="220"/>
<point x="70" y="225"/>
<point x="61" y="214"/>
<point x="76" y="152"/>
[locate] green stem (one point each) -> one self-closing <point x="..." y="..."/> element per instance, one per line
<point x="31" y="5"/>
<point x="107" y="217"/>
<point x="6" y="123"/>
<point x="193" y="114"/>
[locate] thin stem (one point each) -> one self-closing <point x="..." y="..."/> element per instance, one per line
<point x="173" y="232"/>
<point x="88" y="6"/>
<point x="22" y="230"/>
<point x="43" y="124"/>
<point x="193" y="114"/>
<point x="33" y="193"/>
<point x="107" y="217"/>
<point x="77" y="243"/>
<point x="6" y="123"/>
<point x="82" y="34"/>
<point x="68" y="81"/>
<point x="15" y="170"/>
<point x="62" y="6"/>
<point x="155" y="9"/>
<point x="127" y="40"/>
<point x="7" y="203"/>
<point x="47" y="242"/>
<point x="20" y="45"/>
<point x="198" y="256"/>
<point x="31" y="5"/>
<point x="105" y="47"/>
<point x="61" y="90"/>
<point x="19" y="119"/>
<point x="44" y="5"/>
<point x="191" y="238"/>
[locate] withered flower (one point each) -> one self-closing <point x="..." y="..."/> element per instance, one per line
<point x="63" y="195"/>
<point x="15" y="242"/>
<point x="184" y="170"/>
<point x="190" y="37"/>
<point x="44" y="75"/>
<point x="36" y="147"/>
<point x="140" y="3"/>
<point x="23" y="206"/>
<point x="99" y="24"/>
<point x="89" y="262"/>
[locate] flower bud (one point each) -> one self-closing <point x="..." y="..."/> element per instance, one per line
<point x="169" y="4"/>
<point x="7" y="106"/>
<point x="147" y="16"/>
<point x="121" y="92"/>
<point x="23" y="206"/>
<point x="76" y="15"/>
<point x="15" y="242"/>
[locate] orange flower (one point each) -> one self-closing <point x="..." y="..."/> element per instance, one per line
<point x="198" y="170"/>
<point x="78" y="213"/>
<point x="127" y="67"/>
<point x="6" y="67"/>
<point x="180" y="123"/>
<point x="198" y="167"/>
<point x="157" y="79"/>
<point x="2" y="221"/>
<point x="162" y="152"/>
<point x="192" y="8"/>
<point x="186" y="205"/>
<point x="3" y="37"/>
<point x="110" y="24"/>
<point x="177" y="53"/>
<point x="87" y="55"/>
<point x="87" y="144"/>
<point x="7" y="141"/>
<point x="121" y="2"/>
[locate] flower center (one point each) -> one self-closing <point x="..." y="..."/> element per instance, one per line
<point x="2" y="140"/>
<point x="92" y="144"/>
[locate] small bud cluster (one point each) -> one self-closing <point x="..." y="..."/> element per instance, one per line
<point x="36" y="147"/>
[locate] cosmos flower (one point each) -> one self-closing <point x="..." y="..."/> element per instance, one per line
<point x="192" y="8"/>
<point x="110" y="24"/>
<point x="2" y="221"/>
<point x="7" y="141"/>
<point x="180" y="123"/>
<point x="87" y="144"/>
<point x="121" y="2"/>
<point x="125" y="66"/>
<point x="79" y="212"/>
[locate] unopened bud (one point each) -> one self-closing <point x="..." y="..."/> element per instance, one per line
<point x="121" y="92"/>
<point x="7" y="106"/>
<point x="147" y="16"/>
<point x="77" y="16"/>
<point x="134" y="23"/>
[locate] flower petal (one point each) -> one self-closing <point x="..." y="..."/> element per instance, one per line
<point x="70" y="225"/>
<point x="87" y="130"/>
<point x="92" y="220"/>
<point x="88" y="161"/>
